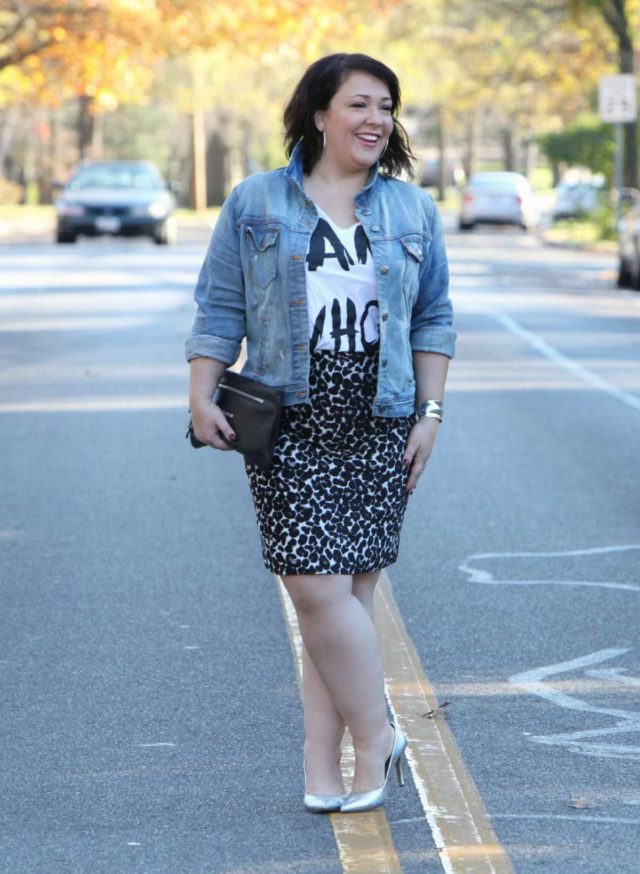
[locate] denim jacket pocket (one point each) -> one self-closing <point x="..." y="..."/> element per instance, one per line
<point x="414" y="256"/>
<point x="263" y="247"/>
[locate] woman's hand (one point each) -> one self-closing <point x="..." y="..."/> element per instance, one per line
<point x="210" y="423"/>
<point x="418" y="449"/>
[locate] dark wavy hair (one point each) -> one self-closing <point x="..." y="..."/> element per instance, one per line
<point x="315" y="91"/>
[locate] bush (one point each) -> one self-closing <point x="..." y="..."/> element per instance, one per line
<point x="588" y="143"/>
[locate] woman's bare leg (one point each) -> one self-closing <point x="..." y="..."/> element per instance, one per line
<point x="323" y="724"/>
<point x="323" y="730"/>
<point x="341" y="641"/>
<point x="363" y="587"/>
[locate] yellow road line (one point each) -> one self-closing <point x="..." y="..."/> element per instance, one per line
<point x="364" y="841"/>
<point x="453" y="807"/>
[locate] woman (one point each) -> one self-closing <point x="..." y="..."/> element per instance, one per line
<point x="336" y="273"/>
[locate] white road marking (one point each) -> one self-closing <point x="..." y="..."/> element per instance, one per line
<point x="158" y="744"/>
<point x="480" y="575"/>
<point x="557" y="357"/>
<point x="575" y="817"/>
<point x="615" y="674"/>
<point x="582" y="741"/>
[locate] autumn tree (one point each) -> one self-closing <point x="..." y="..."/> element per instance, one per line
<point x="622" y="17"/>
<point x="520" y="67"/>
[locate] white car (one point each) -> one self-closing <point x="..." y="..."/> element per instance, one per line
<point x="497" y="197"/>
<point x="575" y="199"/>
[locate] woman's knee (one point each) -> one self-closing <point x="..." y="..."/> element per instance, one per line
<point x="313" y="592"/>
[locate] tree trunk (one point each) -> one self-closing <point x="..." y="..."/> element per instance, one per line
<point x="616" y="17"/>
<point x="217" y="169"/>
<point x="198" y="193"/>
<point x="85" y="127"/>
<point x="442" y="155"/>
<point x="7" y="132"/>
<point x="529" y="157"/>
<point x="507" y="147"/>
<point x="474" y="138"/>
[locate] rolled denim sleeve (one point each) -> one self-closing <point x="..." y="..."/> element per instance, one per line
<point x="432" y="313"/>
<point x="220" y="322"/>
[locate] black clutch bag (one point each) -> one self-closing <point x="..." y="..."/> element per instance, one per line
<point x="253" y="410"/>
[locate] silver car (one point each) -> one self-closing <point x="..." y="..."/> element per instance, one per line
<point x="629" y="240"/>
<point x="497" y="197"/>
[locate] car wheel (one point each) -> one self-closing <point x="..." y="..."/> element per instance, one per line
<point x="61" y="237"/>
<point x="465" y="226"/>
<point x="166" y="233"/>
<point x="624" y="274"/>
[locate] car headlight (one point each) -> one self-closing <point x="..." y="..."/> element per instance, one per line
<point x="69" y="209"/>
<point x="157" y="209"/>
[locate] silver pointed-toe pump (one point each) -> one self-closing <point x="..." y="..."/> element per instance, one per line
<point x="357" y="802"/>
<point x="321" y="803"/>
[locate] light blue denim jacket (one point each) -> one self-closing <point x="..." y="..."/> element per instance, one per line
<point x="253" y="283"/>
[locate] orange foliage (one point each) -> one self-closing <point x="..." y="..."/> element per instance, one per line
<point x="108" y="48"/>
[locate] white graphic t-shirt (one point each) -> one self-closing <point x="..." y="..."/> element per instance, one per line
<point x="341" y="289"/>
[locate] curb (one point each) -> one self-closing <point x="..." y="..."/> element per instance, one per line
<point x="609" y="247"/>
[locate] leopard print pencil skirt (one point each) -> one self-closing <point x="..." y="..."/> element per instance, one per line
<point x="334" y="500"/>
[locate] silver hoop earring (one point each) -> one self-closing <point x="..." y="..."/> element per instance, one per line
<point x="324" y="140"/>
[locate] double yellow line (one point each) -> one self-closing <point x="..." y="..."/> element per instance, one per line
<point x="454" y="811"/>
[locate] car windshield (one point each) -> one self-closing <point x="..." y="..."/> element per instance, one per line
<point x="140" y="178"/>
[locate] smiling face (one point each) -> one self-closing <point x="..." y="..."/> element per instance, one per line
<point x="357" y="123"/>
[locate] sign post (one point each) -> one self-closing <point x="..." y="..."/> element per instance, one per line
<point x="617" y="105"/>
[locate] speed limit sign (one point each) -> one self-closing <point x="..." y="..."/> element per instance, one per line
<point x="617" y="98"/>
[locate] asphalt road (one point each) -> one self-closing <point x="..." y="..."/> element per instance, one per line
<point x="150" y="712"/>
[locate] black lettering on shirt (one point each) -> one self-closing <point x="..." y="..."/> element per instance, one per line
<point x="338" y="331"/>
<point x="318" y="325"/>
<point x="368" y="345"/>
<point x="362" y="244"/>
<point x="318" y="252"/>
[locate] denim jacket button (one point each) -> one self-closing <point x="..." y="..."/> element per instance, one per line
<point x="384" y="270"/>
<point x="384" y="362"/>
<point x="385" y="317"/>
<point x="301" y="394"/>
<point x="375" y="228"/>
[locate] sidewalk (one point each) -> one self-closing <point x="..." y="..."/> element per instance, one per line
<point x="26" y="224"/>
<point x="21" y="224"/>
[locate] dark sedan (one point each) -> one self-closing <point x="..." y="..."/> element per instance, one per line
<point x="127" y="198"/>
